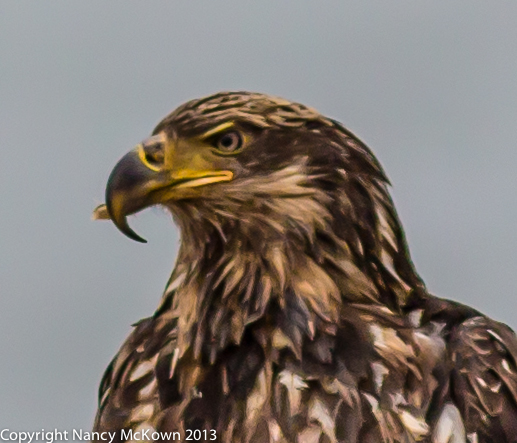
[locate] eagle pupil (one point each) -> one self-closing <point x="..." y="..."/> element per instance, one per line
<point x="229" y="142"/>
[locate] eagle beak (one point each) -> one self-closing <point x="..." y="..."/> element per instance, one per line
<point x="136" y="183"/>
<point x="128" y="189"/>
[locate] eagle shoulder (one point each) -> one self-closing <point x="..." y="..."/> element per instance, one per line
<point x="484" y="378"/>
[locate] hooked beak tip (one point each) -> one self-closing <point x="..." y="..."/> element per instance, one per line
<point x="133" y="235"/>
<point x="121" y="223"/>
<point x="124" y="195"/>
<point x="126" y="230"/>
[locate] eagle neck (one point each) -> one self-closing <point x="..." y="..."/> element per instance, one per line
<point x="231" y="278"/>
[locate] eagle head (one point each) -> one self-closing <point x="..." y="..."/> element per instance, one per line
<point x="255" y="170"/>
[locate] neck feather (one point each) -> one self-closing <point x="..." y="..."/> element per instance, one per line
<point x="294" y="260"/>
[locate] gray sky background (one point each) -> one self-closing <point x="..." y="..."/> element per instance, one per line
<point x="431" y="87"/>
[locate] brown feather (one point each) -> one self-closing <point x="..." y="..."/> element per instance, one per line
<point x="295" y="314"/>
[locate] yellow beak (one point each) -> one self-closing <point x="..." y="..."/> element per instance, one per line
<point x="135" y="183"/>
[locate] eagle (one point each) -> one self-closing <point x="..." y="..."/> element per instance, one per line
<point x="294" y="312"/>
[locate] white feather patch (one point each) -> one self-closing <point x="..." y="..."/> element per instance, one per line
<point x="143" y="368"/>
<point x="275" y="433"/>
<point x="175" y="284"/>
<point x="147" y="390"/>
<point x="388" y="343"/>
<point x="294" y="384"/>
<point x="450" y="427"/>
<point x="415" y="317"/>
<point x="319" y="412"/>
<point x="416" y="426"/>
<point x="379" y="373"/>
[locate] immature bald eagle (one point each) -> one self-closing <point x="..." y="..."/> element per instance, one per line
<point x="294" y="312"/>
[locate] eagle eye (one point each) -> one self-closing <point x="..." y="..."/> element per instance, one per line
<point x="229" y="142"/>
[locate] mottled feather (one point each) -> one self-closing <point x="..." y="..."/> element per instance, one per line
<point x="295" y="314"/>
